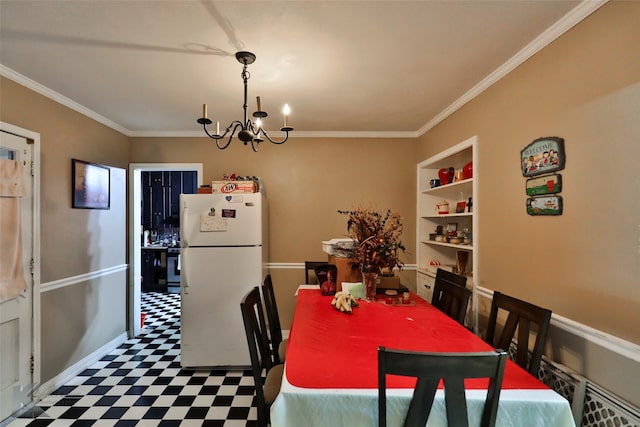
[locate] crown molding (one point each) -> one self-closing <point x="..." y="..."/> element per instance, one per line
<point x="568" y="21"/>
<point x="276" y="134"/>
<point x="60" y="99"/>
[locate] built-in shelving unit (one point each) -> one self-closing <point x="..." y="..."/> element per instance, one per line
<point x="428" y="217"/>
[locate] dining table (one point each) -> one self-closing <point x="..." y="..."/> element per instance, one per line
<point x="331" y="368"/>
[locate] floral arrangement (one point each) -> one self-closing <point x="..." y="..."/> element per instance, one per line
<point x="377" y="238"/>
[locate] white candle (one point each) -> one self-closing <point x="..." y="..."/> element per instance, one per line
<point x="204" y="111"/>
<point x="286" y="111"/>
<point x="217" y="127"/>
<point x="258" y="102"/>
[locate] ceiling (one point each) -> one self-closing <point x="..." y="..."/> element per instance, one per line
<point x="376" y="68"/>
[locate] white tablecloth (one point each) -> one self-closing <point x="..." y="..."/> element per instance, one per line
<point x="298" y="407"/>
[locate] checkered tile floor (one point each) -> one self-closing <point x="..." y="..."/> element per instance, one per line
<point x="141" y="383"/>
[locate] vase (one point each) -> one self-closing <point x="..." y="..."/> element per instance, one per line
<point x="462" y="257"/>
<point x="370" y="282"/>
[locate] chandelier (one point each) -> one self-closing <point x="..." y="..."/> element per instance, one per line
<point x="247" y="130"/>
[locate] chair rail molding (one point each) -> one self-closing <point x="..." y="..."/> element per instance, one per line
<point x="611" y="342"/>
<point x="74" y="280"/>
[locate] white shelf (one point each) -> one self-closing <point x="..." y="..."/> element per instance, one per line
<point x="449" y="187"/>
<point x="449" y="245"/>
<point x="451" y="215"/>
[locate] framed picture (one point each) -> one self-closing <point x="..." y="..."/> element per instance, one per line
<point x="460" y="207"/>
<point x="90" y="188"/>
<point x="543" y="155"/>
<point x="548" y="184"/>
<point x="544" y="205"/>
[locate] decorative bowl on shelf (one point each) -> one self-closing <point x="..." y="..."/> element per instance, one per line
<point x="467" y="170"/>
<point x="446" y="175"/>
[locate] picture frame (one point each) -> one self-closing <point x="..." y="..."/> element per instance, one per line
<point x="542" y="156"/>
<point x="546" y="184"/>
<point x="460" y="207"/>
<point x="90" y="185"/>
<point x="544" y="205"/>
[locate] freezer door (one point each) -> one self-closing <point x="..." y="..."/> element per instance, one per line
<point x="213" y="282"/>
<point x="221" y="219"/>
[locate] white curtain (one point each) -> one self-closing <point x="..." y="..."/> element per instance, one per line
<point x="12" y="282"/>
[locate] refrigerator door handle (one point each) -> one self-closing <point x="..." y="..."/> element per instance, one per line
<point x="184" y="226"/>
<point x="184" y="278"/>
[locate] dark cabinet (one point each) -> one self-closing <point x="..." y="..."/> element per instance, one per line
<point x="161" y="197"/>
<point x="173" y="270"/>
<point x="154" y="270"/>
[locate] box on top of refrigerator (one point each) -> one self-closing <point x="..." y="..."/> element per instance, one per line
<point x="225" y="187"/>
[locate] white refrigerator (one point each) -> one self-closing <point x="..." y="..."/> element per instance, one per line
<point x="223" y="239"/>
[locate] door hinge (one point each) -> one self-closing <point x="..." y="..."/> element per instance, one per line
<point x="32" y="364"/>
<point x="32" y="265"/>
<point x="33" y="168"/>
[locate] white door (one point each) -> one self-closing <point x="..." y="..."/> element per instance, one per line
<point x="16" y="280"/>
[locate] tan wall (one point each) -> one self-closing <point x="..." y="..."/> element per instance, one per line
<point x="584" y="265"/>
<point x="307" y="181"/>
<point x="77" y="319"/>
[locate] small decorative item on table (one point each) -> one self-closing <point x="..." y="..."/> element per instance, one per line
<point x="406" y="298"/>
<point x="391" y="296"/>
<point x="370" y="281"/>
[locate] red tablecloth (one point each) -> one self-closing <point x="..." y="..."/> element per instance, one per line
<point x="330" y="349"/>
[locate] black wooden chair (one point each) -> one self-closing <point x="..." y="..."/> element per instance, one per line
<point x="451" y="299"/>
<point x="309" y="267"/>
<point x="521" y="315"/>
<point x="278" y="345"/>
<point x="267" y="388"/>
<point x="452" y="368"/>
<point x="449" y="277"/>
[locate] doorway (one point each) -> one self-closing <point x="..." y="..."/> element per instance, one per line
<point x="135" y="230"/>
<point x="19" y="269"/>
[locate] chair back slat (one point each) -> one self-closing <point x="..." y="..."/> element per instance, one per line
<point x="275" y="329"/>
<point x="456" y="403"/>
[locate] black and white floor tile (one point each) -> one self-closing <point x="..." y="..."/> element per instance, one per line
<point x="141" y="384"/>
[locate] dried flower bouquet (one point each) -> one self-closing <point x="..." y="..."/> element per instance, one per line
<point x="377" y="238"/>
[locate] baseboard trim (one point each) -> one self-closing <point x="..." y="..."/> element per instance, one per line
<point x="72" y="371"/>
<point x="74" y="280"/>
